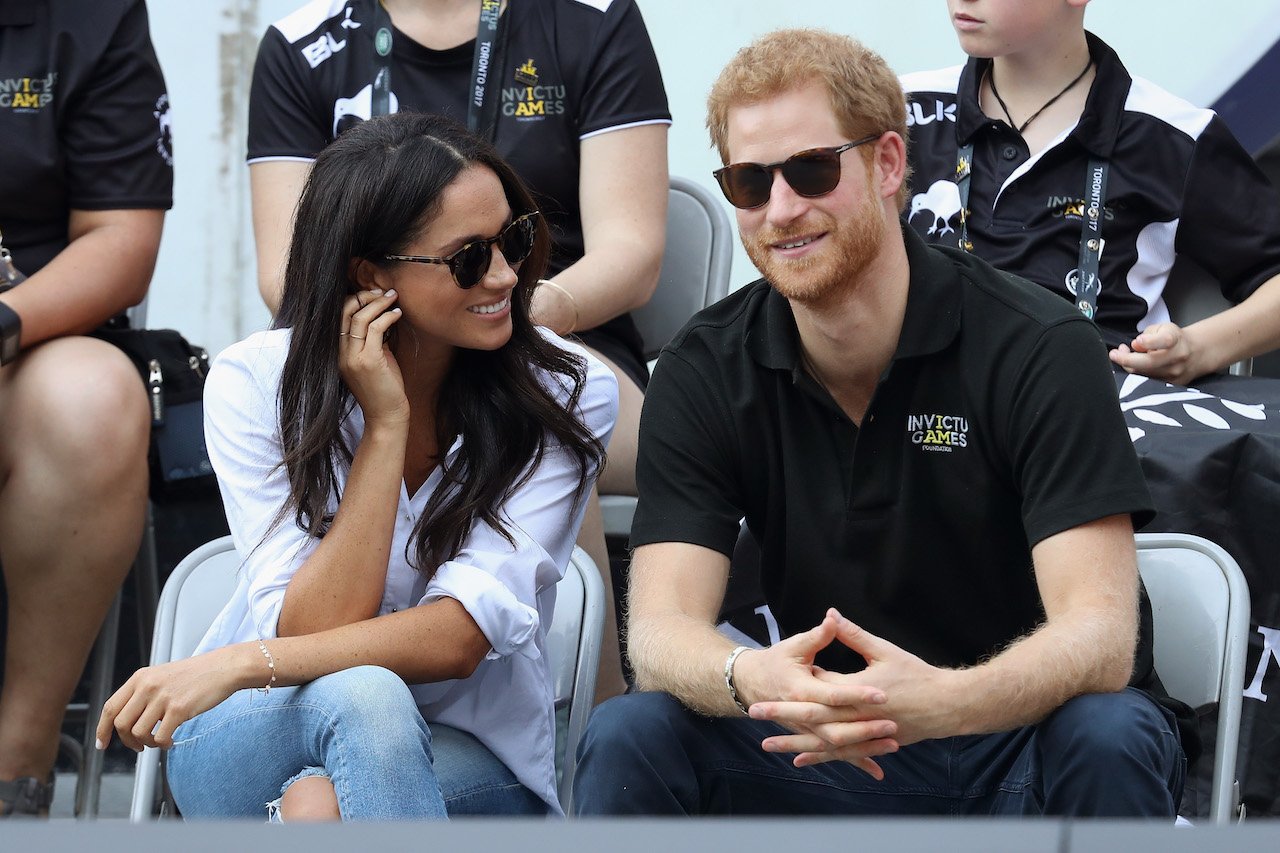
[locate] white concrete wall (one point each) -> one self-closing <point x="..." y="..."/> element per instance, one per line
<point x="205" y="281"/>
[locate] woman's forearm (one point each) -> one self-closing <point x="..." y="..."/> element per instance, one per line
<point x="432" y="642"/>
<point x="344" y="578"/>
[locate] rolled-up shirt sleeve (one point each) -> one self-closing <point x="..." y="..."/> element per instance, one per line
<point x="499" y="582"/>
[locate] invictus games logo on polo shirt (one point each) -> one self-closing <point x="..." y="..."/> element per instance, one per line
<point x="938" y="433"/>
<point x="527" y="73"/>
<point x="534" y="100"/>
<point x="28" y="94"/>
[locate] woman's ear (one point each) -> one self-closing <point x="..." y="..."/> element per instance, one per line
<point x="365" y="275"/>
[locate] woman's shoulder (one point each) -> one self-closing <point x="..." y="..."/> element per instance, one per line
<point x="261" y="349"/>
<point x="258" y="358"/>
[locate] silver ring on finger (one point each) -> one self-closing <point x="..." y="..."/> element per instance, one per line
<point x="357" y="337"/>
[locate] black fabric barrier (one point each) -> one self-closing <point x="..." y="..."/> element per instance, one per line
<point x="1211" y="455"/>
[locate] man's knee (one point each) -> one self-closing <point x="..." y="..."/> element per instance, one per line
<point x="634" y="758"/>
<point x="629" y="726"/>
<point x="1111" y="755"/>
<point x="1109" y="726"/>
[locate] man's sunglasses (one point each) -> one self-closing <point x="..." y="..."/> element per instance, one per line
<point x="470" y="263"/>
<point x="810" y="173"/>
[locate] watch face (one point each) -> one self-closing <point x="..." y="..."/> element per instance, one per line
<point x="10" y="275"/>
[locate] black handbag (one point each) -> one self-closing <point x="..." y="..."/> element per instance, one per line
<point x="173" y="371"/>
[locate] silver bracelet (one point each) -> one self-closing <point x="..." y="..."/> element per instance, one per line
<point x="728" y="677"/>
<point x="271" y="664"/>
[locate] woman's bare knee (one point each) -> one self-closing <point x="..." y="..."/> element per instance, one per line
<point x="311" y="798"/>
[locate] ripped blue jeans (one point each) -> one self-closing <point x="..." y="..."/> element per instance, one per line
<point x="359" y="727"/>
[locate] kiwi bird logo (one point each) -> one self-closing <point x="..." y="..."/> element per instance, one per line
<point x="942" y="200"/>
<point x="352" y="111"/>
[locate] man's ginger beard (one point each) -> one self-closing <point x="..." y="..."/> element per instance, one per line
<point x="813" y="279"/>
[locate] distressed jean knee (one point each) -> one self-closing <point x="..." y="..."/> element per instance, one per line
<point x="273" y="807"/>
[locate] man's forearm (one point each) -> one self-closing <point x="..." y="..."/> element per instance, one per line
<point x="1086" y="653"/>
<point x="683" y="657"/>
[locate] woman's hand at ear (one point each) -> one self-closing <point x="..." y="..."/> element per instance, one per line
<point x="366" y="362"/>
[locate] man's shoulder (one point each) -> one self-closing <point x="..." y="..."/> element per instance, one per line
<point x="995" y="297"/>
<point x="722" y="327"/>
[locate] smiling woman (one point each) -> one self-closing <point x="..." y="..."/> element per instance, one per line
<point x="404" y="461"/>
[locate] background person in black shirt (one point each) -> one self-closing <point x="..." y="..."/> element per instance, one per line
<point x="1040" y="99"/>
<point x="85" y="176"/>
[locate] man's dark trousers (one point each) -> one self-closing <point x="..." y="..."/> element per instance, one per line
<point x="1099" y="755"/>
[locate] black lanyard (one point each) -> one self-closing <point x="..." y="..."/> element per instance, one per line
<point x="486" y="65"/>
<point x="1088" y="283"/>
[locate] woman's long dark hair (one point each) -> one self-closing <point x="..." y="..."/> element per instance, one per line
<point x="370" y="193"/>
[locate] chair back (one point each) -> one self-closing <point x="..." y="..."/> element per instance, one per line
<point x="1200" y="611"/>
<point x="573" y="650"/>
<point x="695" y="264"/>
<point x="197" y="597"/>
<point x="193" y="596"/>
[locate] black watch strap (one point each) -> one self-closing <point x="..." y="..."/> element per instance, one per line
<point x="10" y="331"/>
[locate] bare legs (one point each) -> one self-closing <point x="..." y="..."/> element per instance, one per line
<point x="74" y="428"/>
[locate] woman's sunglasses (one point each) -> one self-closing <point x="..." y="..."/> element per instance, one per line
<point x="470" y="263"/>
<point x="810" y="173"/>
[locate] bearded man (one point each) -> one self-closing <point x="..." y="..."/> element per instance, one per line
<point x="931" y="457"/>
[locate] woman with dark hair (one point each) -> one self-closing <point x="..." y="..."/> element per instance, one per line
<point x="569" y="92"/>
<point x="404" y="461"/>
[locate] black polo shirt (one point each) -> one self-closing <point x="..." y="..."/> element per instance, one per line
<point x="84" y="119"/>
<point x="1178" y="183"/>
<point x="995" y="426"/>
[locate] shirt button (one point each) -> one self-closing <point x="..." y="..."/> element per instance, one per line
<point x="1010" y="152"/>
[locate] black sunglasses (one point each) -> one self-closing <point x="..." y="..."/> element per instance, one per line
<point x="470" y="263"/>
<point x="810" y="173"/>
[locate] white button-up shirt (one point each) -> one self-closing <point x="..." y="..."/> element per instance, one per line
<point x="509" y="591"/>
